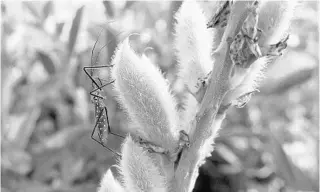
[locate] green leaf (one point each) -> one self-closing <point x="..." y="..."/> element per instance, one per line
<point x="3" y="8"/>
<point x="59" y="28"/>
<point x="47" y="10"/>
<point x="47" y="62"/>
<point x="109" y="8"/>
<point x="33" y="10"/>
<point x="74" y="30"/>
<point x="293" y="176"/>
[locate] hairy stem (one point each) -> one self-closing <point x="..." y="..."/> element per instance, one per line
<point x="219" y="85"/>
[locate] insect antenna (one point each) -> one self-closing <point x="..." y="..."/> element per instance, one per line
<point x="96" y="60"/>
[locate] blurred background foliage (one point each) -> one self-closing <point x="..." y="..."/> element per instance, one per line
<point x="47" y="116"/>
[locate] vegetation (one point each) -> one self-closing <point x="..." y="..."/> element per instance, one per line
<point x="47" y="115"/>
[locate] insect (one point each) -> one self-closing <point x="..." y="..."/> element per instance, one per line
<point x="101" y="112"/>
<point x="220" y="18"/>
<point x="244" y="49"/>
<point x="102" y="119"/>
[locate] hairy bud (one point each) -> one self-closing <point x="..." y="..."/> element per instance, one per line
<point x="145" y="95"/>
<point x="274" y="20"/>
<point x="193" y="43"/>
<point x="109" y="183"/>
<point x="188" y="113"/>
<point x="139" y="171"/>
<point x="245" y="82"/>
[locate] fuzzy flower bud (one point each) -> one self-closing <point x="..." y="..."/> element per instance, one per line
<point x="188" y="113"/>
<point x="145" y="95"/>
<point x="245" y="82"/>
<point x="139" y="171"/>
<point x="109" y="183"/>
<point x="193" y="44"/>
<point x="274" y="20"/>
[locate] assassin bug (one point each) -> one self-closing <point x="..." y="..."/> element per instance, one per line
<point x="101" y="111"/>
<point x="102" y="119"/>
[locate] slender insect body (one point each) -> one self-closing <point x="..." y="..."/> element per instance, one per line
<point x="101" y="117"/>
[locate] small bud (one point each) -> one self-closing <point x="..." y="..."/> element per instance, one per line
<point x="109" y="183"/>
<point x="245" y="82"/>
<point x="274" y="20"/>
<point x="188" y="113"/>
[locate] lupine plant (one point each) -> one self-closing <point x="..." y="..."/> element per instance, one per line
<point x="221" y="61"/>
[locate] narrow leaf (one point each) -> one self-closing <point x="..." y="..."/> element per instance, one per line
<point x="108" y="7"/>
<point x="33" y="10"/>
<point x="59" y="28"/>
<point x="293" y="176"/>
<point x="47" y="62"/>
<point x="47" y="9"/>
<point x="74" y="30"/>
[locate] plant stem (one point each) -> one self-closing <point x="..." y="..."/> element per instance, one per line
<point x="187" y="170"/>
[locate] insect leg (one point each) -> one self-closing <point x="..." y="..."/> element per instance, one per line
<point x="98" y="40"/>
<point x="96" y="60"/>
<point x="109" y="127"/>
<point x="105" y="108"/>
<point x="104" y="47"/>
<point x="95" y="67"/>
<point x="99" y="88"/>
<point x="100" y="136"/>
